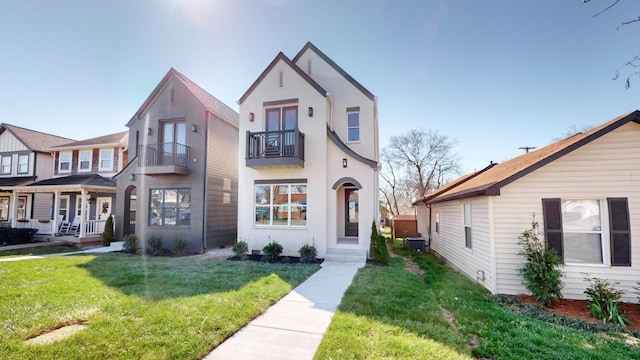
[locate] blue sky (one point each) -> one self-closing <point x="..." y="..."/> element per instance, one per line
<point x="494" y="75"/>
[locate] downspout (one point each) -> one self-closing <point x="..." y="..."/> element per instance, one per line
<point x="429" y="227"/>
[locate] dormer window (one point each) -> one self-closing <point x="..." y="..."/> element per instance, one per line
<point x="6" y="165"/>
<point x="106" y="160"/>
<point x="84" y="161"/>
<point x="64" y="163"/>
<point x="23" y="164"/>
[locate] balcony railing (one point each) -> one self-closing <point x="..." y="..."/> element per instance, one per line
<point x="164" y="158"/>
<point x="274" y="148"/>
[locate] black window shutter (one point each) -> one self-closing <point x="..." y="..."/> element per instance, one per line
<point x="620" y="232"/>
<point x="552" y="214"/>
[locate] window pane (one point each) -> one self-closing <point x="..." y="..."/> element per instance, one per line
<point x="281" y="194"/>
<point x="582" y="248"/>
<point x="181" y="133"/>
<point x="170" y="206"/>
<point x="262" y="195"/>
<point x="290" y="119"/>
<point x="353" y="120"/>
<point x="581" y="215"/>
<point x="281" y="215"/>
<point x="467" y="214"/>
<point x="263" y="216"/>
<point x="273" y="120"/>
<point x="354" y="134"/>
<point x="105" y="159"/>
<point x="184" y="207"/>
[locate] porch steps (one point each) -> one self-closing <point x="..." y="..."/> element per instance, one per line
<point x="346" y="255"/>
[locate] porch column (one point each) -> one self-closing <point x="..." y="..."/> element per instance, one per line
<point x="83" y="201"/>
<point x="56" y="212"/>
<point x="13" y="208"/>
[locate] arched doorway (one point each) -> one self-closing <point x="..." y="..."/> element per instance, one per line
<point x="348" y="210"/>
<point x="130" y="204"/>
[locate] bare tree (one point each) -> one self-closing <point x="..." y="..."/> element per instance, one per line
<point x="632" y="63"/>
<point x="416" y="163"/>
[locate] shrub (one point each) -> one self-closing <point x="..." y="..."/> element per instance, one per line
<point x="541" y="273"/>
<point x="14" y="236"/>
<point x="179" y="245"/>
<point x="240" y="248"/>
<point x="637" y="292"/>
<point x="107" y="235"/>
<point x="382" y="246"/>
<point x="604" y="301"/>
<point x="155" y="244"/>
<point x="374" y="245"/>
<point x="308" y="253"/>
<point x="130" y="243"/>
<point x="272" y="250"/>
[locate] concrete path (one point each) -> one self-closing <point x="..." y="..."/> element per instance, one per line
<point x="295" y="325"/>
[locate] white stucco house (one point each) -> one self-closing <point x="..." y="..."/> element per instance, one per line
<point x="584" y="192"/>
<point x="308" y="162"/>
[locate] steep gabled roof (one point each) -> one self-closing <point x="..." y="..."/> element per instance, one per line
<point x="34" y="140"/>
<point x="492" y="180"/>
<point x="117" y="139"/>
<point x="323" y="56"/>
<point x="210" y="102"/>
<point x="293" y="66"/>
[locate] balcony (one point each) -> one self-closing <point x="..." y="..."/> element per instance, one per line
<point x="275" y="148"/>
<point x="163" y="159"/>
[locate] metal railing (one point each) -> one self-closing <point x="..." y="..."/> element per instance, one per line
<point x="163" y="154"/>
<point x="271" y="144"/>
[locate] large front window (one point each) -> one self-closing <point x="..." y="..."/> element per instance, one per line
<point x="582" y="231"/>
<point x="281" y="204"/>
<point x="170" y="207"/>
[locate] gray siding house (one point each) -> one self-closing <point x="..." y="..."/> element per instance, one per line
<point x="182" y="175"/>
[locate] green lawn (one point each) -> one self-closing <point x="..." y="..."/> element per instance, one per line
<point x="389" y="312"/>
<point x="38" y="251"/>
<point x="135" y="307"/>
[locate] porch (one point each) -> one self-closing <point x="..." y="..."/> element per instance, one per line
<point x="86" y="228"/>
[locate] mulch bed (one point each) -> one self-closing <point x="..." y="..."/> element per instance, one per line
<point x="280" y="260"/>
<point x="578" y="309"/>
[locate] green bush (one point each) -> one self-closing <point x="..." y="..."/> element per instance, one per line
<point x="130" y="243"/>
<point x="541" y="273"/>
<point x="308" y="253"/>
<point x="382" y="246"/>
<point x="155" y="244"/>
<point x="272" y="250"/>
<point x="637" y="292"/>
<point x="107" y="235"/>
<point x="240" y="248"/>
<point x="179" y="245"/>
<point x="15" y="236"/>
<point x="374" y="244"/>
<point x="604" y="301"/>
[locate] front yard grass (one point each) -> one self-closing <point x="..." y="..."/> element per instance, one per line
<point x="38" y="251"/>
<point x="134" y="307"/>
<point x="388" y="312"/>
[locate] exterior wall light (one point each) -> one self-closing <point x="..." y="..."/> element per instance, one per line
<point x="344" y="163"/>
<point x="149" y="130"/>
<point x="194" y="128"/>
<point x="251" y="117"/>
<point x="310" y="111"/>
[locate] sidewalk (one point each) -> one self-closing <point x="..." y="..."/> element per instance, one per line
<point x="292" y="328"/>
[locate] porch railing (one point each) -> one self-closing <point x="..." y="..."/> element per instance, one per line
<point x="92" y="227"/>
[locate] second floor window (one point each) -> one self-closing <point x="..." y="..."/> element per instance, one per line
<point x="6" y="165"/>
<point x="106" y="159"/>
<point x="64" y="164"/>
<point x="353" y="126"/>
<point x="84" y="161"/>
<point x="23" y="164"/>
<point x="467" y="225"/>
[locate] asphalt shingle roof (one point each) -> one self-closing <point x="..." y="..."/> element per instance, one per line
<point x="117" y="138"/>
<point x="35" y="140"/>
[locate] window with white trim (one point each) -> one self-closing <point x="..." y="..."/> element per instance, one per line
<point x="280" y="205"/>
<point x="106" y="160"/>
<point x="170" y="207"/>
<point x="5" y="169"/>
<point x="84" y="160"/>
<point x="467" y="225"/>
<point x="353" y="126"/>
<point x="23" y="164"/>
<point x="64" y="162"/>
<point x="582" y="231"/>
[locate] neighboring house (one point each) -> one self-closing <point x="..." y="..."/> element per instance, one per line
<point x="182" y="175"/>
<point x="82" y="172"/>
<point x="308" y="158"/>
<point x="24" y="159"/>
<point x="584" y="192"/>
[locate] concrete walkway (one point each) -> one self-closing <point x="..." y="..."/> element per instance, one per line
<point x="295" y="325"/>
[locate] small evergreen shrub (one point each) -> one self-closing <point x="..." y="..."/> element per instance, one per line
<point x="179" y="245"/>
<point x="107" y="235"/>
<point x="272" y="250"/>
<point x="382" y="246"/>
<point x="240" y="248"/>
<point x="155" y="244"/>
<point x="308" y="253"/>
<point x="540" y="273"/>
<point x="604" y="301"/>
<point x="374" y="244"/>
<point x="130" y="243"/>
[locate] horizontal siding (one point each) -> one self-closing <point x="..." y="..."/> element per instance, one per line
<point x="449" y="242"/>
<point x="607" y="167"/>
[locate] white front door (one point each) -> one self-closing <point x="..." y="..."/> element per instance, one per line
<point x="103" y="208"/>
